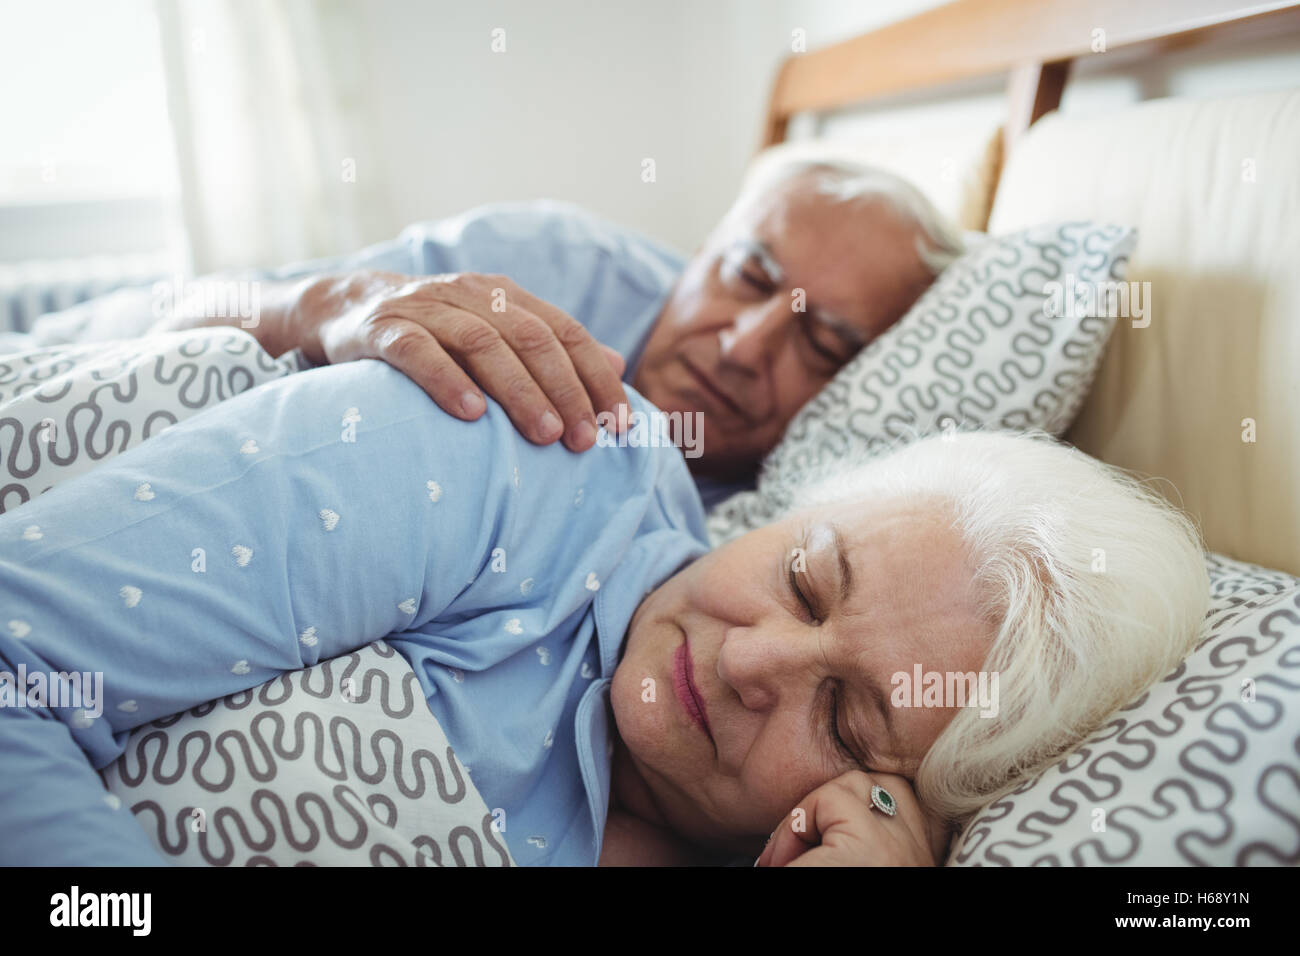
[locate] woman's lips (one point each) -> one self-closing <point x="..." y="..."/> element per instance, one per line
<point x="687" y="692"/>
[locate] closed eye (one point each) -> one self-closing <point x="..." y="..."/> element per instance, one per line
<point x="835" y="355"/>
<point x="800" y="597"/>
<point x="835" y="728"/>
<point x="754" y="278"/>
<point x="742" y="265"/>
<point x="833" y="715"/>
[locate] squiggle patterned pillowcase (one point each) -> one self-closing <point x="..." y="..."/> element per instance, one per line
<point x="1202" y="769"/>
<point x="991" y="343"/>
<point x="339" y="764"/>
<point x="63" y="408"/>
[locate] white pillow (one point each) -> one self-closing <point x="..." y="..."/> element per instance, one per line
<point x="1003" y="339"/>
<point x="1202" y="769"/>
<point x="338" y="764"/>
<point x="64" y="408"/>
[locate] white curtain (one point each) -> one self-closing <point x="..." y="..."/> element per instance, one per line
<point x="269" y="112"/>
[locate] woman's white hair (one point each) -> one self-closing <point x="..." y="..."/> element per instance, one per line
<point x="1095" y="585"/>
<point x="939" y="241"/>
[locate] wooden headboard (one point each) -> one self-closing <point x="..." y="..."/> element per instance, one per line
<point x="1169" y="402"/>
<point x="1030" y="42"/>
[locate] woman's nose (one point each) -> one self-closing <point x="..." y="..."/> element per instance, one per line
<point x="753" y="339"/>
<point x="759" y="662"/>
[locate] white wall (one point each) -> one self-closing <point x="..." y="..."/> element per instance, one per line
<point x="582" y="94"/>
<point x="586" y="90"/>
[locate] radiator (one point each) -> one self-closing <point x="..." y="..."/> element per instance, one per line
<point x="30" y="289"/>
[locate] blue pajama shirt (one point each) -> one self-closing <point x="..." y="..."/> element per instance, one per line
<point x="309" y="517"/>
<point x="613" y="280"/>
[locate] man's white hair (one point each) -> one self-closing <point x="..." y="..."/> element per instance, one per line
<point x="1096" y="587"/>
<point x="939" y="242"/>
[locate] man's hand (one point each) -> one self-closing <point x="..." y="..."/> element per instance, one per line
<point x="540" y="363"/>
<point x="840" y="827"/>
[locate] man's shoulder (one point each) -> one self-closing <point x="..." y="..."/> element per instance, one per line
<point x="525" y="218"/>
<point x="555" y="223"/>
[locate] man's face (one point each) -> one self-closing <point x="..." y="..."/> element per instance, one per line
<point x="782" y="295"/>
<point x="788" y="663"/>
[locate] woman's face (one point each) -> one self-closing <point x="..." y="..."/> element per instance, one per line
<point x="886" y="587"/>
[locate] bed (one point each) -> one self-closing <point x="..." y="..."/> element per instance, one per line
<point x="1200" y="393"/>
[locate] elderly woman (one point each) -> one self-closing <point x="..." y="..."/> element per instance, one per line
<point x="624" y="694"/>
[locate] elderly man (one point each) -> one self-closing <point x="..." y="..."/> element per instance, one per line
<point x="545" y="307"/>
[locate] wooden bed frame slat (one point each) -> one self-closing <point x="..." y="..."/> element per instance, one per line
<point x="1032" y="42"/>
<point x="1033" y="90"/>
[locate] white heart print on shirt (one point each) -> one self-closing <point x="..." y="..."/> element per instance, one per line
<point x="249" y="447"/>
<point x="130" y="594"/>
<point x="329" y="518"/>
<point x="144" y="492"/>
<point x="308" y="636"/>
<point x="513" y="626"/>
<point x="242" y="555"/>
<point x="19" y="629"/>
<point x="593" y="583"/>
<point x="32" y="533"/>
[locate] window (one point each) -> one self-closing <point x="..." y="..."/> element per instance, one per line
<point x="86" y="161"/>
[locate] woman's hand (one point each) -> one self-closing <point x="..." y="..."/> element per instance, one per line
<point x="839" y="826"/>
<point x="456" y="334"/>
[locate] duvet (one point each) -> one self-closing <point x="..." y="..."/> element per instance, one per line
<point x="333" y="624"/>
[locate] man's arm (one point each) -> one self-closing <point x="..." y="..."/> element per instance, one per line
<point x="463" y="307"/>
<point x="287" y="525"/>
<point x="276" y="324"/>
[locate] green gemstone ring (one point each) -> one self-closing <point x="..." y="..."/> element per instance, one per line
<point x="883" y="800"/>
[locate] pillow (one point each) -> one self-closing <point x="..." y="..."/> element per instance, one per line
<point x="1202" y="769"/>
<point x="1009" y="336"/>
<point x="101" y="398"/>
<point x="338" y="764"/>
